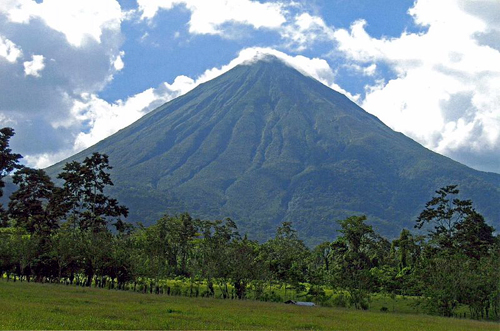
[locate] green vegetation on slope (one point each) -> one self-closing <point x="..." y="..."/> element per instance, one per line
<point x="263" y="144"/>
<point x="46" y="306"/>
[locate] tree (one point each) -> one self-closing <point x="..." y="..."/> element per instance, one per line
<point x="151" y="260"/>
<point x="243" y="264"/>
<point x="407" y="252"/>
<point x="287" y="256"/>
<point x="355" y="232"/>
<point x="214" y="253"/>
<point x="83" y="189"/>
<point x="66" y="251"/>
<point x="30" y="205"/>
<point x="181" y="232"/>
<point x="320" y="263"/>
<point x="445" y="213"/>
<point x="352" y="265"/>
<point x="166" y="246"/>
<point x="456" y="264"/>
<point x="474" y="237"/>
<point x="440" y="278"/>
<point x="8" y="162"/>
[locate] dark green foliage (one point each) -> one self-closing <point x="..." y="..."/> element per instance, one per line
<point x="460" y="262"/>
<point x="83" y="189"/>
<point x="263" y="144"/>
<point x="8" y="162"/>
<point x="215" y="255"/>
<point x="31" y="206"/>
<point x="446" y="213"/>
<point x="286" y="256"/>
<point x="355" y="253"/>
<point x="244" y="265"/>
<point x="473" y="236"/>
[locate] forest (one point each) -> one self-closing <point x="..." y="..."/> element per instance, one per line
<point x="77" y="235"/>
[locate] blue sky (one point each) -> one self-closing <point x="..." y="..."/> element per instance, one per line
<point x="74" y="72"/>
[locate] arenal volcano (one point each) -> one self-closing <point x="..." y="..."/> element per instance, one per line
<point x="264" y="143"/>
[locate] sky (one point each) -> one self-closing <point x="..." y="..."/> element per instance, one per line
<point x="73" y="72"/>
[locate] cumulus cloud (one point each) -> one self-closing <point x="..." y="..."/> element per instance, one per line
<point x="118" y="63"/>
<point x="8" y="50"/>
<point x="208" y="17"/>
<point x="444" y="92"/>
<point x="104" y="118"/>
<point x="77" y="20"/>
<point x="298" y="28"/>
<point x="316" y="68"/>
<point x="305" y="30"/>
<point x="33" y="67"/>
<point x="72" y="48"/>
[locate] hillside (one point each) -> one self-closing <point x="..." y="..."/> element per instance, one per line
<point x="263" y="143"/>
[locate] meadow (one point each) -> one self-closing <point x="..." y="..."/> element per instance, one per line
<point x="48" y="306"/>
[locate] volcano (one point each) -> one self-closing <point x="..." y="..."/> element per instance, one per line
<point x="264" y="143"/>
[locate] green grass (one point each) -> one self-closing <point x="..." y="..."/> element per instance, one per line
<point x="47" y="306"/>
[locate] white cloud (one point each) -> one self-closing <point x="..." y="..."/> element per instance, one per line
<point x="77" y="20"/>
<point x="118" y="63"/>
<point x="306" y="30"/>
<point x="370" y="70"/>
<point x="8" y="50"/>
<point x="43" y="160"/>
<point x="80" y="42"/>
<point x="298" y="28"/>
<point x="444" y="93"/>
<point x="33" y="67"/>
<point x="316" y="68"/>
<point x="208" y="17"/>
<point x="103" y="118"/>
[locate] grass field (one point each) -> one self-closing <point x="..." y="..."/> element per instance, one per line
<point x="46" y="306"/>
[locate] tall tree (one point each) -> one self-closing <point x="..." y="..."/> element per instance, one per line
<point x="352" y="259"/>
<point x="8" y="162"/>
<point x="288" y="256"/>
<point x="215" y="255"/>
<point x="30" y="205"/>
<point x="455" y="268"/>
<point x="445" y="212"/>
<point x="243" y="264"/>
<point x="84" y="185"/>
<point x="474" y="237"/>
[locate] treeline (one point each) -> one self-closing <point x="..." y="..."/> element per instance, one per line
<point x="75" y="234"/>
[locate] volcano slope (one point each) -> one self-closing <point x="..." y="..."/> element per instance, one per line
<point x="264" y="143"/>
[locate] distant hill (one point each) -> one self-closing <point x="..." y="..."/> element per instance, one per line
<point x="263" y="143"/>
